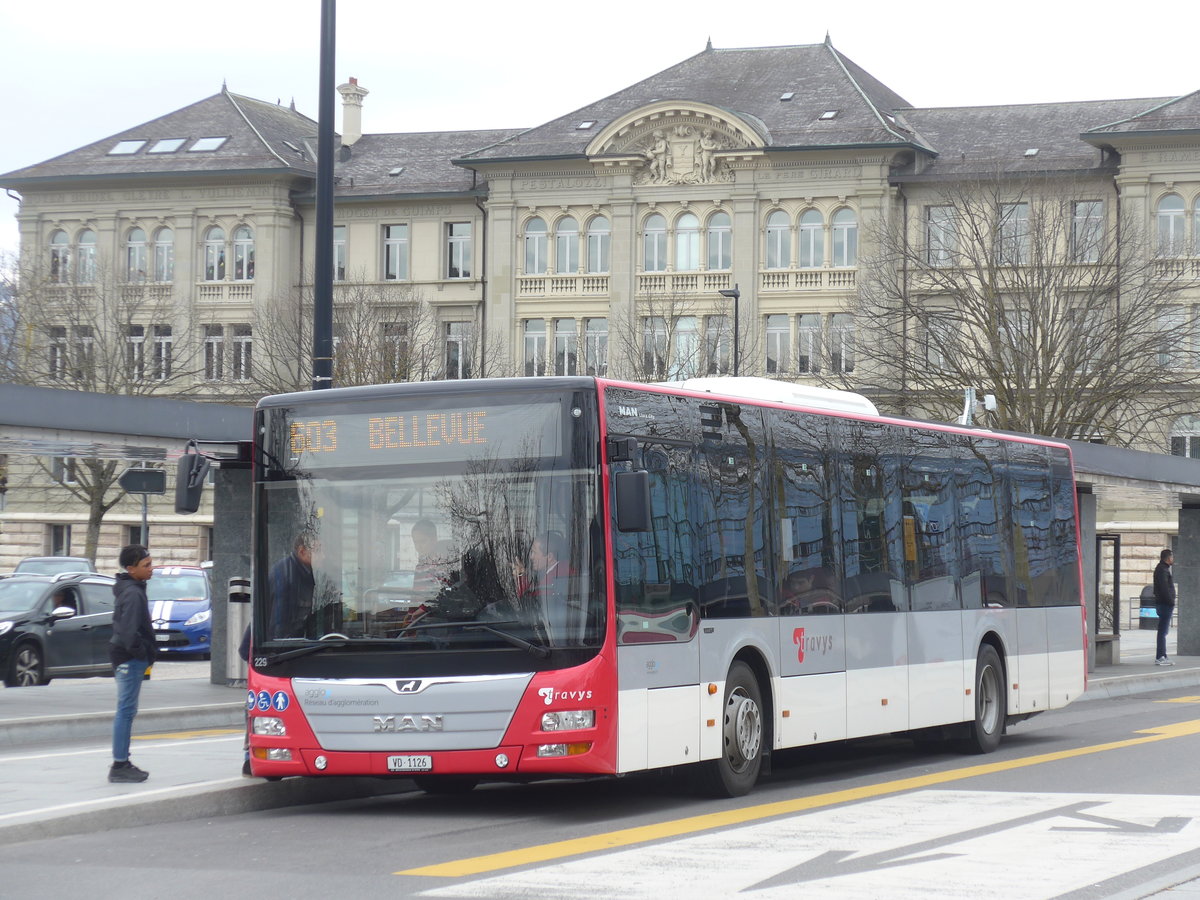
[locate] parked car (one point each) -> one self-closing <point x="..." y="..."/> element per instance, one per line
<point x="53" y="565"/>
<point x="55" y="626"/>
<point x="181" y="610"/>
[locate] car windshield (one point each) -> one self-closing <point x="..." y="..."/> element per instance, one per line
<point x="52" y="566"/>
<point x="17" y="595"/>
<point x="188" y="586"/>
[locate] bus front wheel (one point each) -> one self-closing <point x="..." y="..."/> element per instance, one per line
<point x="991" y="702"/>
<point x="736" y="770"/>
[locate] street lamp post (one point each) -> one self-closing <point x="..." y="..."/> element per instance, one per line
<point x="735" y="295"/>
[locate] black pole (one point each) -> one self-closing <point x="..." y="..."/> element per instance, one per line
<point x="737" y="296"/>
<point x="322" y="369"/>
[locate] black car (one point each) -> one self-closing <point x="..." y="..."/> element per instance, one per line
<point x="55" y="626"/>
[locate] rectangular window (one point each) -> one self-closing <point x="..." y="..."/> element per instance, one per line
<point x="395" y="351"/>
<point x="135" y="262"/>
<point x="395" y="253"/>
<point x="164" y="259"/>
<point x="598" y="242"/>
<point x="685" y="360"/>
<point x="808" y="354"/>
<point x="135" y="352"/>
<point x="58" y="540"/>
<point x="535" y="347"/>
<point x="841" y="339"/>
<point x="62" y="469"/>
<point x="595" y="352"/>
<point x="566" y="251"/>
<point x="1014" y="233"/>
<point x="133" y="535"/>
<point x="83" y="350"/>
<point x="654" y="347"/>
<point x="458" y="250"/>
<point x="1087" y="229"/>
<point x="778" y="337"/>
<point x="941" y="235"/>
<point x="566" y="347"/>
<point x="162" y="352"/>
<point x="458" y="350"/>
<point x="243" y="346"/>
<point x="214" y="353"/>
<point x="718" y="344"/>
<point x="339" y="252"/>
<point x="57" y="352"/>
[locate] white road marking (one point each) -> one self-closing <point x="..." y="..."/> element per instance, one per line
<point x="941" y="843"/>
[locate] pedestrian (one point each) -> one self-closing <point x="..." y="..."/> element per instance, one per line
<point x="131" y="651"/>
<point x="1164" y="602"/>
<point x="292" y="585"/>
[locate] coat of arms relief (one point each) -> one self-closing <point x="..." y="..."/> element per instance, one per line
<point x="683" y="154"/>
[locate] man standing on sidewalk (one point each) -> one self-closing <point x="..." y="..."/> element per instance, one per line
<point x="131" y="651"/>
<point x="1164" y="602"/>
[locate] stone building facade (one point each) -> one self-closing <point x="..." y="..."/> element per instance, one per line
<point x="599" y="242"/>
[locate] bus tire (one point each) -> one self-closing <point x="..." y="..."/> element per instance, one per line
<point x="445" y="784"/>
<point x="991" y="702"/>
<point x="736" y="770"/>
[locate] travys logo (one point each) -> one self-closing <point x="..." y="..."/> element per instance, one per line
<point x="821" y="643"/>
<point x="549" y="695"/>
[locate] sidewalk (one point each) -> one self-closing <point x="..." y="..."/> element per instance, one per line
<point x="55" y="750"/>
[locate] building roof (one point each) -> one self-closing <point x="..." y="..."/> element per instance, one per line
<point x="257" y="136"/>
<point x="750" y="83"/>
<point x="989" y="140"/>
<point x="1181" y="114"/>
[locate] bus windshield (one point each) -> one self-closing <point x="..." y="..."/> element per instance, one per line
<point x="428" y="526"/>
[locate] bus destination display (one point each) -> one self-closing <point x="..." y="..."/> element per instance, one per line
<point x="383" y="438"/>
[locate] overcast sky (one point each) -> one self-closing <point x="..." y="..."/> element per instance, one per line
<point x="77" y="71"/>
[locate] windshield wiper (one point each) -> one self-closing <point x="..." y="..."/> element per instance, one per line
<point x="538" y="650"/>
<point x="324" y="643"/>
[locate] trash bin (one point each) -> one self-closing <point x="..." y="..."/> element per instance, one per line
<point x="1148" y="615"/>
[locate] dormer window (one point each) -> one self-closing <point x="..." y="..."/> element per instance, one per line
<point x="786" y="96"/>
<point x="396" y="171"/>
<point x="207" y="144"/>
<point x="829" y="114"/>
<point x="585" y="125"/>
<point x="124" y="148"/>
<point x="293" y="148"/>
<point x="1032" y="151"/>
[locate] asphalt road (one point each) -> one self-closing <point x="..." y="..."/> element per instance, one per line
<point x="1099" y="800"/>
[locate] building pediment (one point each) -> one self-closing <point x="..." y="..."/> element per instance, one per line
<point x="673" y="142"/>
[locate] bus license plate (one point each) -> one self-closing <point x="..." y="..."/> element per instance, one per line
<point x="410" y="763"/>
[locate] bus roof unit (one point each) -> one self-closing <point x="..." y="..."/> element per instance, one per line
<point x="771" y="391"/>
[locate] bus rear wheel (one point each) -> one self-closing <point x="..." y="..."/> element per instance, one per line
<point x="991" y="702"/>
<point x="736" y="770"/>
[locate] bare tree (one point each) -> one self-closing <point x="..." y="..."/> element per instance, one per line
<point x="672" y="335"/>
<point x="95" y="332"/>
<point x="1031" y="290"/>
<point x="382" y="334"/>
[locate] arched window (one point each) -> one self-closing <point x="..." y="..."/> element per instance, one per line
<point x="599" y="239"/>
<point x="1170" y="225"/>
<point x="779" y="240"/>
<point x="214" y="254"/>
<point x="164" y="255"/>
<point x="845" y="238"/>
<point x="85" y="264"/>
<point x="720" y="239"/>
<point x="60" y="258"/>
<point x="654" y="236"/>
<point x="243" y="254"/>
<point x="135" y="256"/>
<point x="566" y="246"/>
<point x="1185" y="436"/>
<point x="812" y="240"/>
<point x="535" y="247"/>
<point x="1196" y="229"/>
<point x="687" y="243"/>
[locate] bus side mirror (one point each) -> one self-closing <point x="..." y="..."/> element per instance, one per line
<point x="189" y="482"/>
<point x="633" y="500"/>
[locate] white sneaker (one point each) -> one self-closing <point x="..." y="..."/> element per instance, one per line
<point x="1163" y="662"/>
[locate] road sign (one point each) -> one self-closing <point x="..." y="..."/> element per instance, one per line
<point x="143" y="481"/>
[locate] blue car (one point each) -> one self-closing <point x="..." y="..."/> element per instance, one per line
<point x="181" y="610"/>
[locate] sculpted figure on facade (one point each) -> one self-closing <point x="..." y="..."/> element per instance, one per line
<point x="684" y="154"/>
<point x="657" y="156"/>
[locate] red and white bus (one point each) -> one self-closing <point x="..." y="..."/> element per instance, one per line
<point x="516" y="579"/>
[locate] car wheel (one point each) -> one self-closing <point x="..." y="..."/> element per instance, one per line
<point x="743" y="731"/>
<point x="27" y="668"/>
<point x="991" y="702"/>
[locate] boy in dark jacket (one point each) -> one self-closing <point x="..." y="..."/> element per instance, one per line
<point x="131" y="651"/>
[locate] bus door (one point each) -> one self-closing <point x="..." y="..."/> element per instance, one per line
<point x="812" y="624"/>
<point x="1035" y="571"/>
<point x="655" y="577"/>
<point x="937" y="667"/>
<point x="869" y="472"/>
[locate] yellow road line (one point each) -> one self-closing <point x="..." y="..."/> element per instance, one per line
<point x="179" y="735"/>
<point x="1180" y="700"/>
<point x="644" y="833"/>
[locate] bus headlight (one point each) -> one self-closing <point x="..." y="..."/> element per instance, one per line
<point x="569" y="720"/>
<point x="269" y="725"/>
<point x="552" y="750"/>
<point x="273" y="754"/>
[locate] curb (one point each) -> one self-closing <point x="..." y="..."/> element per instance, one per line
<point x="1125" y="685"/>
<point x="205" y="800"/>
<point x="17" y="733"/>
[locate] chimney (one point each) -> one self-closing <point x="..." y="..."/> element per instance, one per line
<point x="352" y="97"/>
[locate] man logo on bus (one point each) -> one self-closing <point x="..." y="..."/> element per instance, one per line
<point x="408" y="687"/>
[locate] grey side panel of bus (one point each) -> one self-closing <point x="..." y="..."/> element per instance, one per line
<point x="720" y="640"/>
<point x="935" y="637"/>
<point x="812" y="645"/>
<point x="474" y="713"/>
<point x="668" y="664"/>
<point x="1064" y="628"/>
